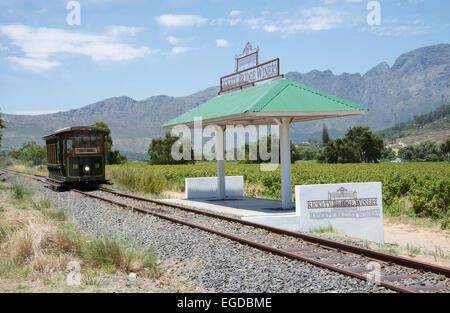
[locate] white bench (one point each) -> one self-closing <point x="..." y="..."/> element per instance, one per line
<point x="206" y="187"/>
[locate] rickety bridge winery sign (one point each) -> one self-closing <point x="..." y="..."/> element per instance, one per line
<point x="251" y="75"/>
<point x="352" y="209"/>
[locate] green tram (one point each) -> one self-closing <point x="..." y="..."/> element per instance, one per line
<point x="76" y="158"/>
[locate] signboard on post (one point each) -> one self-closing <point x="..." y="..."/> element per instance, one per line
<point x="249" y="71"/>
<point x="248" y="58"/>
<point x="354" y="209"/>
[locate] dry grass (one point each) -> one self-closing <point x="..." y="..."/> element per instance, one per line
<point x="31" y="241"/>
<point x="41" y="170"/>
<point x="38" y="244"/>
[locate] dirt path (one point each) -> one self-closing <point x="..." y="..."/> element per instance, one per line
<point x="419" y="239"/>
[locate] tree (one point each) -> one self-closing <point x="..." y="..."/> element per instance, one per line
<point x="305" y="153"/>
<point x="29" y="152"/>
<point x="445" y="149"/>
<point x="388" y="154"/>
<point x="325" y="136"/>
<point x="426" y="151"/>
<point x="115" y="157"/>
<point x="407" y="153"/>
<point x="2" y="125"/>
<point x="112" y="157"/>
<point x="369" y="145"/>
<point x="359" y="145"/>
<point x="340" y="150"/>
<point x="160" y="151"/>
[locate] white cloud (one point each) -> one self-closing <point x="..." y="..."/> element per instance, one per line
<point x="229" y="21"/>
<point x="181" y="50"/>
<point x="255" y="23"/>
<point x="2" y="48"/>
<point x="235" y="13"/>
<point x="34" y="65"/>
<point x="353" y="1"/>
<point x="181" y="20"/>
<point x="177" y="40"/>
<point x="174" y="40"/>
<point x="399" y="30"/>
<point x="222" y="43"/>
<point x="36" y="112"/>
<point x="392" y="27"/>
<point x="40" y="44"/>
<point x="313" y="19"/>
<point x="271" y="28"/>
<point x="184" y="20"/>
<point x="120" y="31"/>
<point x="41" y="11"/>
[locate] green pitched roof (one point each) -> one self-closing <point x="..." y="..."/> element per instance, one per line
<point x="278" y="98"/>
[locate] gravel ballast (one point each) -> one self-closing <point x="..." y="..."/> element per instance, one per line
<point x="216" y="263"/>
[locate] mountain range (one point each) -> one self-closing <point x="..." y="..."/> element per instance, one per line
<point x="418" y="82"/>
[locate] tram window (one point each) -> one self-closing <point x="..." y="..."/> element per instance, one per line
<point x="99" y="144"/>
<point x="85" y="141"/>
<point x="69" y="145"/>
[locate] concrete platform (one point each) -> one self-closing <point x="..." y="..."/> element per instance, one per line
<point x="242" y="207"/>
<point x="288" y="221"/>
<point x="263" y="211"/>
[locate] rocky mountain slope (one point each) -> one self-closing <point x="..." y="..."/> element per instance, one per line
<point x="417" y="83"/>
<point x="433" y="126"/>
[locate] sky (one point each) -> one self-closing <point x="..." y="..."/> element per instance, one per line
<point x="59" y="55"/>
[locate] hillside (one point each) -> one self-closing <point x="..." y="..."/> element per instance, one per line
<point x="433" y="126"/>
<point x="414" y="85"/>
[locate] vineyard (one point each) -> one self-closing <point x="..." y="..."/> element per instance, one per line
<point x="413" y="189"/>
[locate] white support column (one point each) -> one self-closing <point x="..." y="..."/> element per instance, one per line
<point x="285" y="157"/>
<point x="220" y="162"/>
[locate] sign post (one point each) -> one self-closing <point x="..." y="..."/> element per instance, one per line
<point x="246" y="75"/>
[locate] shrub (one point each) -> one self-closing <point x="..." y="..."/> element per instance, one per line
<point x="19" y="191"/>
<point x="57" y="215"/>
<point x="110" y="251"/>
<point x="45" y="204"/>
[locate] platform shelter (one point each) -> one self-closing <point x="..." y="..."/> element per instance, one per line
<point x="278" y="102"/>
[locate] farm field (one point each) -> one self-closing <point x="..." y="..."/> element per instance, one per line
<point x="411" y="189"/>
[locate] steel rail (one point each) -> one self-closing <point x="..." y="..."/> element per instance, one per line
<point x="250" y="243"/>
<point x="376" y="255"/>
<point x="362" y="253"/>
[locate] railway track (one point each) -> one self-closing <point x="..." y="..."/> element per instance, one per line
<point x="393" y="272"/>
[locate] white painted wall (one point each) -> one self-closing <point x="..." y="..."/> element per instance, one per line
<point x="207" y="187"/>
<point x="360" y="221"/>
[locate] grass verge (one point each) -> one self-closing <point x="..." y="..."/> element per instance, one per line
<point x="38" y="243"/>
